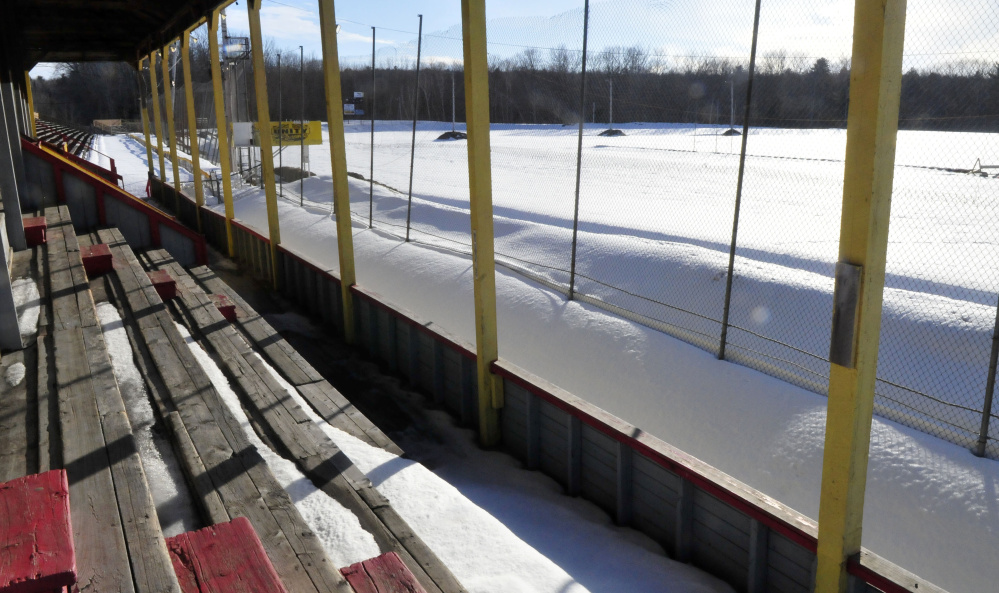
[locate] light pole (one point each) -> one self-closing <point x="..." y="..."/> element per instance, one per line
<point x="301" y="156"/>
<point x="280" y="132"/>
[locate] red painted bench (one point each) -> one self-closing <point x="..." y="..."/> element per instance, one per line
<point x="96" y="259"/>
<point x="34" y="230"/>
<point x="223" y="558"/>
<point x="382" y="574"/>
<point x="224" y="305"/>
<point x="164" y="284"/>
<point x="36" y="536"/>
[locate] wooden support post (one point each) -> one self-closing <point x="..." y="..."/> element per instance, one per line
<point x="171" y="133"/>
<point x="264" y="128"/>
<point x="341" y="191"/>
<point x="192" y="120"/>
<point x="144" y="111"/>
<point x="157" y="122"/>
<point x="625" y="482"/>
<point x="759" y="548"/>
<point x="684" y="536"/>
<point x="221" y="127"/>
<point x="872" y="125"/>
<point x="533" y="431"/>
<point x="574" y="456"/>
<point x="473" y="19"/>
<point x="31" y="104"/>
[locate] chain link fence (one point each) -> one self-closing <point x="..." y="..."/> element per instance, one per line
<point x="681" y="164"/>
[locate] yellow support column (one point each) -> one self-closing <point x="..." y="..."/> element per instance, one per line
<point x="473" y="20"/>
<point x="872" y="125"/>
<point x="172" y="131"/>
<point x="192" y="120"/>
<point x="157" y="125"/>
<point x="144" y="111"/>
<point x="31" y="104"/>
<point x="264" y="127"/>
<point x="221" y="126"/>
<point x="338" y="155"/>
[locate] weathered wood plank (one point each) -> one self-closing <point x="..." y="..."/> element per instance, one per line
<point x="102" y="556"/>
<point x="245" y="485"/>
<point x="14" y="444"/>
<point x="211" y="505"/>
<point x="147" y="552"/>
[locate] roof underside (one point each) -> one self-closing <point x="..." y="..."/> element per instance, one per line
<point x="101" y="30"/>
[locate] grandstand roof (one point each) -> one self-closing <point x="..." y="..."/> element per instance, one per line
<point x="99" y="30"/>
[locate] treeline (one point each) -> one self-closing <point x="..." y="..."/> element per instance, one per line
<point x="542" y="87"/>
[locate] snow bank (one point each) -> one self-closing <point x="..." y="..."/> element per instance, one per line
<point x="345" y="541"/>
<point x="28" y="303"/>
<point x="174" y="505"/>
<point x="483" y="515"/>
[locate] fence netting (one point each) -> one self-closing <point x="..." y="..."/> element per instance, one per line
<point x="616" y="175"/>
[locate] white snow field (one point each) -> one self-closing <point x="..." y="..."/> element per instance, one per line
<point x="655" y="221"/>
<point x="131" y="161"/>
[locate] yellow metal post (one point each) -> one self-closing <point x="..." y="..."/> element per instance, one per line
<point x="473" y="19"/>
<point x="223" y="129"/>
<point x="264" y="126"/>
<point x="338" y="154"/>
<point x="172" y="131"/>
<point x="872" y="126"/>
<point x="192" y="121"/>
<point x="31" y="104"/>
<point x="144" y="111"/>
<point x="157" y="125"/>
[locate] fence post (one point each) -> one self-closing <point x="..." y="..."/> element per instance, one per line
<point x="157" y="122"/>
<point x="990" y="387"/>
<point x="738" y="186"/>
<point x="416" y="115"/>
<point x="172" y="131"/>
<point x="192" y="120"/>
<point x="371" y="167"/>
<point x="338" y="154"/>
<point x="872" y="127"/>
<point x="222" y="128"/>
<point x="264" y="125"/>
<point x="473" y="20"/>
<point x="144" y="111"/>
<point x="579" y="152"/>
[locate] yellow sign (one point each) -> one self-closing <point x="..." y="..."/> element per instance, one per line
<point x="291" y="132"/>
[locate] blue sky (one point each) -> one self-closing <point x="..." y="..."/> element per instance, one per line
<point x="672" y="30"/>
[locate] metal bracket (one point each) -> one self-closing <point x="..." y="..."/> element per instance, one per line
<point x="846" y="303"/>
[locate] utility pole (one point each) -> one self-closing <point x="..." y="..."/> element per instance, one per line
<point x="612" y="103"/>
<point x="301" y="156"/>
<point x="731" y="105"/>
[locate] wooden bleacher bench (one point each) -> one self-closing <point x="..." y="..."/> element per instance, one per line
<point x="36" y="536"/>
<point x="223" y="558"/>
<point x="381" y="574"/>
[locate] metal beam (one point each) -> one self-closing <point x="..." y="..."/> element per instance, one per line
<point x="338" y="155"/>
<point x="192" y="120"/>
<point x="872" y="126"/>
<point x="264" y="128"/>
<point x="222" y="127"/>
<point x="172" y="132"/>
<point x="473" y="21"/>
<point x="31" y="104"/>
<point x="157" y="122"/>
